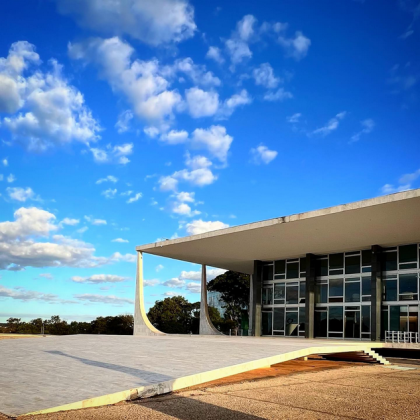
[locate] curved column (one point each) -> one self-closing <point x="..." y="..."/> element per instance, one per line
<point x="142" y="325"/>
<point x="206" y="326"/>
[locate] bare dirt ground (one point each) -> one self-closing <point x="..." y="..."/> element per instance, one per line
<point x="15" y="336"/>
<point x="313" y="389"/>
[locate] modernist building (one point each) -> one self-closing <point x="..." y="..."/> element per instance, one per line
<point x="345" y="272"/>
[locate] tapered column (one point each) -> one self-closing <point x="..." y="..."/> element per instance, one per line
<point x="255" y="291"/>
<point x="310" y="296"/>
<point x="376" y="293"/>
<point x="206" y="326"/>
<point x="142" y="325"/>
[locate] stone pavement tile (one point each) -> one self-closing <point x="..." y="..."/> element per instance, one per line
<point x="361" y="403"/>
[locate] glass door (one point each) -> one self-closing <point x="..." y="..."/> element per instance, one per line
<point x="352" y="322"/>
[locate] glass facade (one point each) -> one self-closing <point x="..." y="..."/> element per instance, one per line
<point x="342" y="294"/>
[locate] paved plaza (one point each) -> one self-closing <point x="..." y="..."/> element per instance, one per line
<point x="42" y="373"/>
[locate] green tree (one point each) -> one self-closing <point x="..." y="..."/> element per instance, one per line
<point x="234" y="290"/>
<point x="173" y="315"/>
<point x="13" y="325"/>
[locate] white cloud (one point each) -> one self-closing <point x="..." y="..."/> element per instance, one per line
<point x="175" y="137"/>
<point x="11" y="178"/>
<point x="297" y="46"/>
<point x="367" y="126"/>
<point x="185" y="197"/>
<point x="331" y="126"/>
<point x="171" y="294"/>
<point x="21" y="194"/>
<point x="199" y="226"/>
<point x="196" y="72"/>
<point x="279" y="95"/>
<point x="245" y="27"/>
<point x="47" y="276"/>
<point x="120" y="240"/>
<point x="201" y="103"/>
<point x="95" y="222"/>
<point x="109" y="178"/>
<point x="295" y="118"/>
<point x="215" y="54"/>
<point x="236" y="100"/>
<point x="5" y="162"/>
<point x="52" y="112"/>
<point x="141" y="82"/>
<point x="184" y="209"/>
<point x="152" y="132"/>
<point x="113" y="154"/>
<point x="153" y="22"/>
<point x="211" y="273"/>
<point x="159" y="267"/>
<point x="124" y="120"/>
<point x="109" y="193"/>
<point x="20" y="246"/>
<point x="264" y="76"/>
<point x="25" y="295"/>
<point x="82" y="230"/>
<point x="214" y="139"/>
<point x="174" y="283"/>
<point x="109" y="299"/>
<point x="99" y="279"/>
<point x="69" y="222"/>
<point x="262" y="154"/>
<point x="151" y="283"/>
<point x="127" y="193"/>
<point x="193" y="287"/>
<point x="135" y="198"/>
<point x="405" y="183"/>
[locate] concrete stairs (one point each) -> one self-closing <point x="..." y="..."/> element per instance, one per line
<point x="367" y="356"/>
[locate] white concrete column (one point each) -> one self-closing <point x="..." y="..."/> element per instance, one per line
<point x="142" y="325"/>
<point x="206" y="326"/>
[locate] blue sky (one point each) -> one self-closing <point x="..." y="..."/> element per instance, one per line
<point x="126" y="121"/>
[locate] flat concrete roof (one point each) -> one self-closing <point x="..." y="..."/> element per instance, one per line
<point x="387" y="220"/>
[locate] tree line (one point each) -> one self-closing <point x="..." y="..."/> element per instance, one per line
<point x="174" y="315"/>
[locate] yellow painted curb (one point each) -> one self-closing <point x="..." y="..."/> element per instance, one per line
<point x="200" y="378"/>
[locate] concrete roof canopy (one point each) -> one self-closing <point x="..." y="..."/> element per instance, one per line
<point x="387" y="221"/>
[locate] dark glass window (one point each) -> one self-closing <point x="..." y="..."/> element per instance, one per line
<point x="408" y="253"/>
<point x="280" y="268"/>
<point x="390" y="259"/>
<point x="321" y="267"/>
<point x="336" y="290"/>
<point x="321" y="295"/>
<point x="366" y="286"/>
<point x="365" y="319"/>
<point x="302" y="314"/>
<point x="408" y="287"/>
<point x="292" y="270"/>
<point x="367" y="257"/>
<point x="353" y="264"/>
<point x="413" y="319"/>
<point x="302" y="291"/>
<point x="267" y="272"/>
<point x="278" y="323"/>
<point x="292" y="294"/>
<point x="320" y="323"/>
<point x="336" y="264"/>
<point x="267" y="323"/>
<point x="267" y="296"/>
<point x="279" y="293"/>
<point x="398" y="318"/>
<point x="292" y="323"/>
<point x="384" y="321"/>
<point x="353" y="291"/>
<point x="390" y="290"/>
<point x="303" y="267"/>
<point x="336" y="319"/>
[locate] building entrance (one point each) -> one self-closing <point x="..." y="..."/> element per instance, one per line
<point x="352" y="323"/>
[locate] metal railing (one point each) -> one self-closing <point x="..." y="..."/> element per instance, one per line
<point x="238" y="332"/>
<point x="401" y="337"/>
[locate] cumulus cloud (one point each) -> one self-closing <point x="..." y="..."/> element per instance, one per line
<point x="109" y="193"/>
<point x="47" y="276"/>
<point x="28" y="241"/>
<point x="367" y="127"/>
<point x="264" y="76"/>
<point x="174" y="283"/>
<point x="199" y="226"/>
<point x="11" y="178"/>
<point x="211" y="273"/>
<point x="120" y="240"/>
<point x="297" y="46"/>
<point x="151" y="283"/>
<point x="237" y="45"/>
<point x="201" y="103"/>
<point x="45" y="109"/>
<point x="25" y="295"/>
<point x="331" y="126"/>
<point x="174" y="137"/>
<point x="69" y="222"/>
<point x="159" y="267"/>
<point x="124" y="120"/>
<point x="21" y="194"/>
<point x="214" y="53"/>
<point x="404" y="183"/>
<point x="279" y="95"/>
<point x="153" y="22"/>
<point x="134" y="198"/>
<point x="193" y="287"/>
<point x="99" y="279"/>
<point x="96" y="222"/>
<point x="140" y="82"/>
<point x="108" y="299"/>
<point x="109" y="178"/>
<point x="262" y="154"/>
<point x="235" y="101"/>
<point x="113" y="154"/>
<point x="295" y="118"/>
